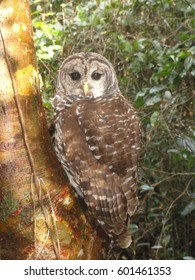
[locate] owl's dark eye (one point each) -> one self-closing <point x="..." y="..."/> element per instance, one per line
<point x="96" y="76"/>
<point x="75" y="76"/>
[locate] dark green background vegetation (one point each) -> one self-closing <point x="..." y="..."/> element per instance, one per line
<point x="152" y="46"/>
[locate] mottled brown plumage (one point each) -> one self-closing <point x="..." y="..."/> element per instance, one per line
<point x="98" y="141"/>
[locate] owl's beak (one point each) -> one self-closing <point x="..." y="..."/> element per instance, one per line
<point x="85" y="88"/>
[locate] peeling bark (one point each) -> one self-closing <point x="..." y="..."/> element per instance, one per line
<point x="40" y="217"/>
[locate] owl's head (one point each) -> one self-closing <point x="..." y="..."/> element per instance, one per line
<point x="86" y="75"/>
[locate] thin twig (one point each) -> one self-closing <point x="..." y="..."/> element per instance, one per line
<point x="34" y="219"/>
<point x="169" y="209"/>
<point x="170" y="173"/>
<point x="161" y="181"/>
<point x="53" y="219"/>
<point x="45" y="65"/>
<point x="40" y="251"/>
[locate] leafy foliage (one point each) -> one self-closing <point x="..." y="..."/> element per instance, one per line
<point x="151" y="44"/>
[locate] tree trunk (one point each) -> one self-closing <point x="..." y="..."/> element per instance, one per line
<point x="40" y="218"/>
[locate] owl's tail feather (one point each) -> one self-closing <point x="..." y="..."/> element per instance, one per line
<point x="119" y="233"/>
<point x="124" y="240"/>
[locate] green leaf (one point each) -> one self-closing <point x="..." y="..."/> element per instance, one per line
<point x="133" y="228"/>
<point x="188" y="62"/>
<point x="157" y="88"/>
<point x="141" y="57"/>
<point x="166" y="240"/>
<point x="187" y="142"/>
<point x="146" y="187"/>
<point x="139" y="102"/>
<point x="188" y="258"/>
<point x="188" y="209"/>
<point x="154" y="119"/>
<point x="192" y="50"/>
<point x="152" y="99"/>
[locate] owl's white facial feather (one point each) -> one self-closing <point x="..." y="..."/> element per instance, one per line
<point x="94" y="77"/>
<point x="97" y="75"/>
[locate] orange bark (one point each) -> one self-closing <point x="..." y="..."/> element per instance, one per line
<point x="40" y="218"/>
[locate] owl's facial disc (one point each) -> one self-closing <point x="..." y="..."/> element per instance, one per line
<point x="88" y="75"/>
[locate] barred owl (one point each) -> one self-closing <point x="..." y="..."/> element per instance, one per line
<point x="98" y="141"/>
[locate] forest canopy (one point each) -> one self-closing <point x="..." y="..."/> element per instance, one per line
<point x="151" y="44"/>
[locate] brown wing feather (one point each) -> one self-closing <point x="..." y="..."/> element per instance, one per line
<point x="101" y="144"/>
<point x="111" y="129"/>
